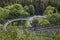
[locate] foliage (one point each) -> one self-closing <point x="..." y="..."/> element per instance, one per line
<point x="1" y="25"/>
<point x="21" y="24"/>
<point x="14" y="33"/>
<point x="39" y="5"/>
<point x="37" y="22"/>
<point x="1" y="21"/>
<point x="44" y="22"/>
<point x="52" y="15"/>
<point x="17" y="11"/>
<point x="49" y="10"/>
<point x="14" y="6"/>
<point x="54" y="18"/>
<point x="4" y="13"/>
<point x="27" y="24"/>
<point x="30" y="9"/>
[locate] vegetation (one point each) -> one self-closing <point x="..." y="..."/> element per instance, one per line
<point x="23" y="8"/>
<point x="54" y="18"/>
<point x="17" y="11"/>
<point x="30" y="9"/>
<point x="4" y="13"/>
<point x="39" y="5"/>
<point x="37" y="22"/>
<point x="14" y="33"/>
<point x="12" y="9"/>
<point x="50" y="10"/>
<point x="21" y="24"/>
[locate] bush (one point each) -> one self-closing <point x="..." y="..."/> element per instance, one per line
<point x="17" y="11"/>
<point x="14" y="33"/>
<point x="1" y="21"/>
<point x="54" y="18"/>
<point x="37" y="22"/>
<point x="50" y="10"/>
<point x="44" y="22"/>
<point x="24" y="14"/>
<point x="15" y="6"/>
<point x="1" y="26"/>
<point x="30" y="9"/>
<point x="21" y="24"/>
<point x="24" y="24"/>
<point x="4" y="13"/>
<point x="27" y="24"/>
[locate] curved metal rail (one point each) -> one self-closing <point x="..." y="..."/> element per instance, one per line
<point x="29" y="19"/>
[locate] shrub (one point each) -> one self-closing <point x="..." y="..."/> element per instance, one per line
<point x="57" y="18"/>
<point x="44" y="22"/>
<point x="17" y="11"/>
<point x="14" y="33"/>
<point x="24" y="14"/>
<point x="30" y="9"/>
<point x="24" y="24"/>
<point x="27" y="24"/>
<point x="49" y="10"/>
<point x="15" y="6"/>
<point x="54" y="18"/>
<point x="26" y="8"/>
<point x="1" y="26"/>
<point x="4" y="13"/>
<point x="37" y="22"/>
<point x="1" y="21"/>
